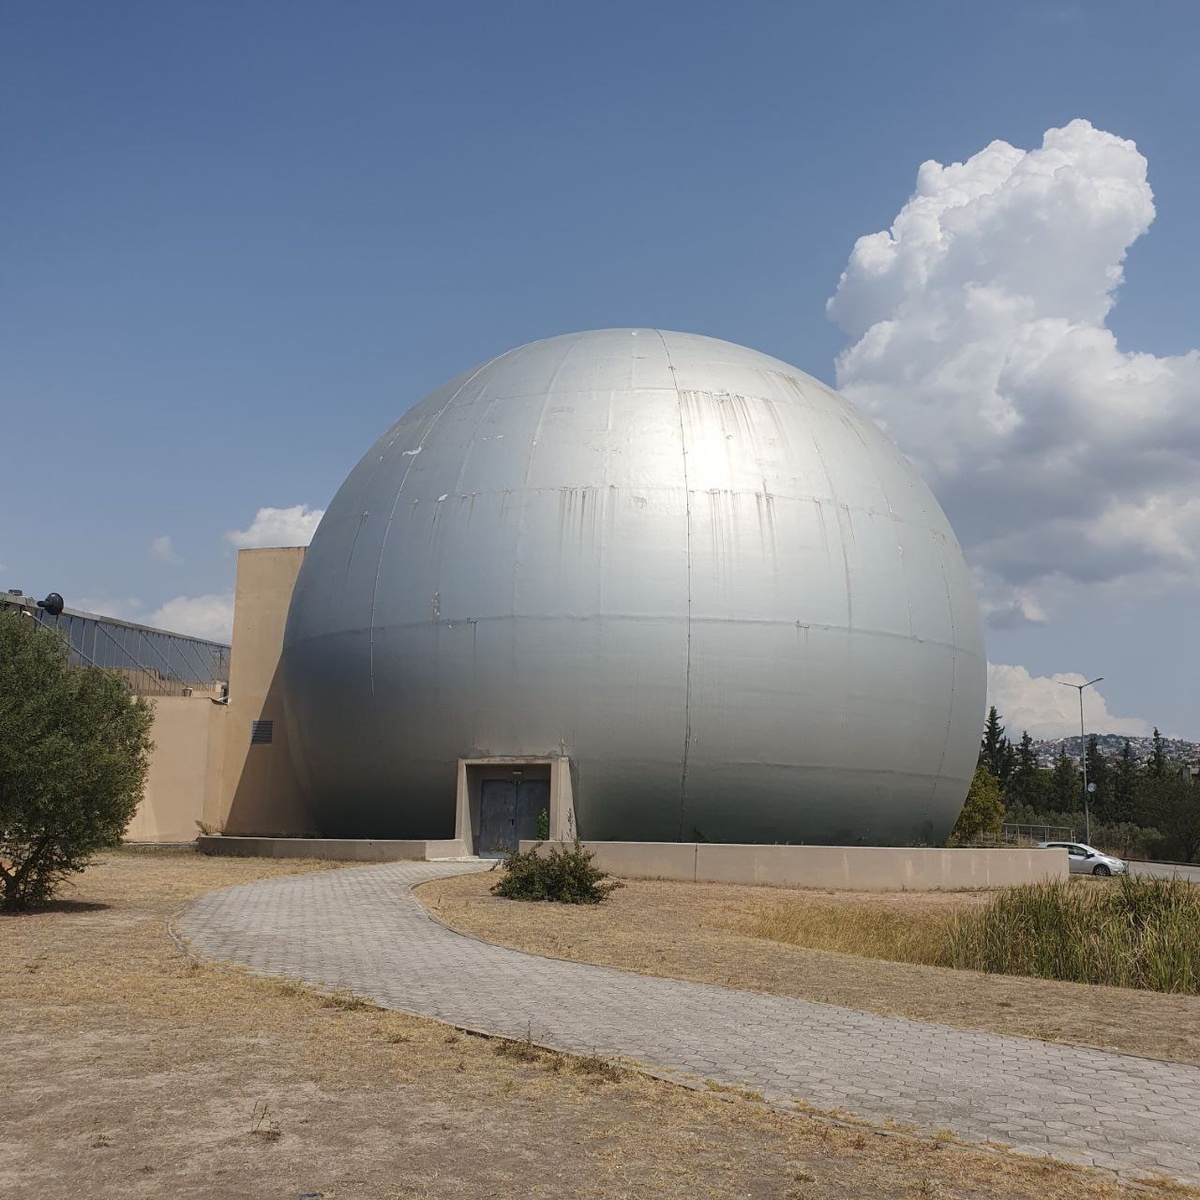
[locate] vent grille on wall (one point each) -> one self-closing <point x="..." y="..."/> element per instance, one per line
<point x="262" y="733"/>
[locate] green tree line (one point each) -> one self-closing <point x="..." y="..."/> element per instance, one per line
<point x="1139" y="810"/>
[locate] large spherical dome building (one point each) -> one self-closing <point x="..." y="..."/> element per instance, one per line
<point x="695" y="572"/>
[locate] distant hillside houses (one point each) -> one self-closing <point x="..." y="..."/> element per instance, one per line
<point x="1186" y="755"/>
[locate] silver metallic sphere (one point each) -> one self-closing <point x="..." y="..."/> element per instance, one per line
<point x="696" y="571"/>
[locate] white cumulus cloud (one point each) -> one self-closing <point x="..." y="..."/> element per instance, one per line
<point x="208" y="616"/>
<point x="979" y="341"/>
<point x="124" y="608"/>
<point x="1046" y="708"/>
<point x="163" y="549"/>
<point x="293" y="526"/>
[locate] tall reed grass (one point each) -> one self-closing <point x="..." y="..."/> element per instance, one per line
<point x="1132" y="932"/>
<point x="1125" y="932"/>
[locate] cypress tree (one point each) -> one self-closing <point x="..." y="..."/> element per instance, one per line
<point x="1064" y="783"/>
<point x="1124" y="786"/>
<point x="1158" y="757"/>
<point x="1025" y="784"/>
<point x="995" y="753"/>
<point x="1099" y="773"/>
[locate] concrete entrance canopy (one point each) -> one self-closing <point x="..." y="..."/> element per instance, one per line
<point x="473" y="771"/>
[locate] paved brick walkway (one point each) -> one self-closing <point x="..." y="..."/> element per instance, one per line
<point x="362" y="929"/>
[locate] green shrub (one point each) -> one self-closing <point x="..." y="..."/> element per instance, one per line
<point x="562" y="876"/>
<point x="1127" y="840"/>
<point x="1134" y="932"/>
<point x="74" y="752"/>
<point x="982" y="811"/>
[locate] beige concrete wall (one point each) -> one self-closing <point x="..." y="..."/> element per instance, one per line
<point x="640" y="860"/>
<point x="184" y="766"/>
<point x="856" y="868"/>
<point x="336" y="849"/>
<point x="258" y="792"/>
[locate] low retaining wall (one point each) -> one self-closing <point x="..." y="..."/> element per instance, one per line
<point x="852" y="868"/>
<point x="335" y="849"/>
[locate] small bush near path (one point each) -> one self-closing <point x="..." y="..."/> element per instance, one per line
<point x="1133" y="932"/>
<point x="562" y="876"/>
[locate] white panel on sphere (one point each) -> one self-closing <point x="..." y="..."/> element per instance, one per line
<point x="696" y="571"/>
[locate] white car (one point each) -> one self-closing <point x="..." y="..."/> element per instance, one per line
<point x="1086" y="860"/>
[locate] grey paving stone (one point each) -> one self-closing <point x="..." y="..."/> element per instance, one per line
<point x="363" y="930"/>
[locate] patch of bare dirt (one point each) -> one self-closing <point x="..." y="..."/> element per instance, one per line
<point x="128" y="1070"/>
<point x="690" y="931"/>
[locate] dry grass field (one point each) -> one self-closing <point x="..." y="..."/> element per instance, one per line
<point x="129" y="1070"/>
<point x="797" y="943"/>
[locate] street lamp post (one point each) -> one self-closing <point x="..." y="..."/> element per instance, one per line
<point x="16" y="598"/>
<point x="1087" y="823"/>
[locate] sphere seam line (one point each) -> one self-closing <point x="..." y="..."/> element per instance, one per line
<point x="954" y="653"/>
<point x="687" y="675"/>
<point x="396" y="504"/>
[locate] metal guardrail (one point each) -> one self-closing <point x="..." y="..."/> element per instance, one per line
<point x="1011" y="835"/>
<point x="1022" y="835"/>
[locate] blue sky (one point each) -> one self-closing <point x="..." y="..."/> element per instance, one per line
<point x="240" y="240"/>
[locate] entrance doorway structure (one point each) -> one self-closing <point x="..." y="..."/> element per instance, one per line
<point x="501" y="798"/>
<point x="510" y="810"/>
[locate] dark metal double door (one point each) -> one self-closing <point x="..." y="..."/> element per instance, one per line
<point x="509" y="811"/>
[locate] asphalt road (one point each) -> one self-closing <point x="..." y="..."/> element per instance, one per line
<point x="1165" y="870"/>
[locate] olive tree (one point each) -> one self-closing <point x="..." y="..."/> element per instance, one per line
<point x="74" y="750"/>
<point x="982" y="811"/>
